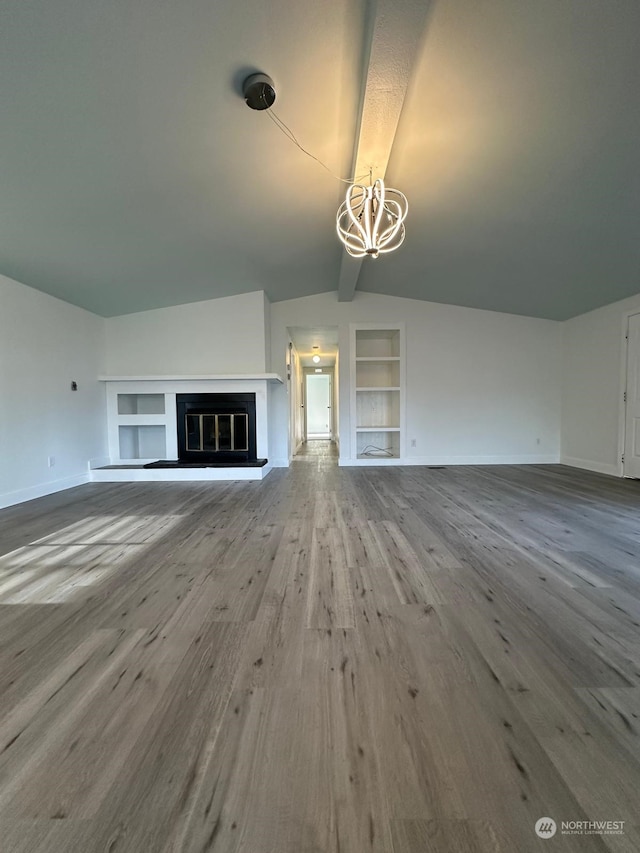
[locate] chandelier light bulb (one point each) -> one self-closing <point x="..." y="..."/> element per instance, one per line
<point x="370" y="221"/>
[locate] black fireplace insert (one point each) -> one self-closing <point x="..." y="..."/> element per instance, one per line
<point x="217" y="427"/>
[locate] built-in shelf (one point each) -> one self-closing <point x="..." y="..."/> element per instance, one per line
<point x="377" y="342"/>
<point x="146" y="441"/>
<point x="374" y="373"/>
<point x="378" y="388"/>
<point x="378" y="392"/>
<point x="142" y="426"/>
<point x="378" y="444"/>
<point x="141" y="404"/>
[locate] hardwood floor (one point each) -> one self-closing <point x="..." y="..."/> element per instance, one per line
<point x="405" y="660"/>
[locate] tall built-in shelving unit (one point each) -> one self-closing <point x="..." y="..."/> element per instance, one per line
<point x="377" y="399"/>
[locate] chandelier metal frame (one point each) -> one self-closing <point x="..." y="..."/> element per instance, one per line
<point x="370" y="221"/>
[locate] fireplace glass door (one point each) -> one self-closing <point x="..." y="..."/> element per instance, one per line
<point x="214" y="433"/>
<point x="216" y="428"/>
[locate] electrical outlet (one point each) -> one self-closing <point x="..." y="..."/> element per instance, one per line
<point x="51" y="461"/>
<point x="537" y="441"/>
<point x="413" y="442"/>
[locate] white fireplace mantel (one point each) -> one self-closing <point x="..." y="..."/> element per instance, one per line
<point x="268" y="377"/>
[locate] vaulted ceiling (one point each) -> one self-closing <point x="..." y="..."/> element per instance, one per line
<point x="133" y="176"/>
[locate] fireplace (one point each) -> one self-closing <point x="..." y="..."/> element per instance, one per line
<point x="216" y="428"/>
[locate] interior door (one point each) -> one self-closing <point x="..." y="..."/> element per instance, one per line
<point x="318" y="405"/>
<point x="632" y="418"/>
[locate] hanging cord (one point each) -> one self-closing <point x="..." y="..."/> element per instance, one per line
<point x="292" y="138"/>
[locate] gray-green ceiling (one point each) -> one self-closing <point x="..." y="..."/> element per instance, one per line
<point x="132" y="175"/>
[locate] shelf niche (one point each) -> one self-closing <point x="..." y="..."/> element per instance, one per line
<point x="377" y="343"/>
<point x="141" y="404"/>
<point x="378" y="445"/>
<point x="378" y="374"/>
<point x="379" y="408"/>
<point x="142" y="442"/>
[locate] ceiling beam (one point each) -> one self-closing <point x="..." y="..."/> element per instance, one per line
<point x="349" y="275"/>
<point x="395" y="40"/>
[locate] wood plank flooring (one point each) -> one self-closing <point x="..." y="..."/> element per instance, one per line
<point x="395" y="660"/>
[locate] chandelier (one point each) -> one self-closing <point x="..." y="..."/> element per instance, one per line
<point x="370" y="221"/>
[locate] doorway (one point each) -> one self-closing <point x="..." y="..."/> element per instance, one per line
<point x="631" y="457"/>
<point x="318" y="406"/>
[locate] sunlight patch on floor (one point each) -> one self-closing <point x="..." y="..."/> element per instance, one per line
<point x="65" y="565"/>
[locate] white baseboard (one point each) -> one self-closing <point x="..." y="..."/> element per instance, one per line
<point x="513" y="459"/>
<point x="280" y="463"/>
<point x="99" y="462"/>
<point x="42" y="489"/>
<point x="589" y="465"/>
<point x="517" y="459"/>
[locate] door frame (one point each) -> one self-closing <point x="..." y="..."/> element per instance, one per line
<point x="295" y="389"/>
<point x="330" y="372"/>
<point x="622" y="405"/>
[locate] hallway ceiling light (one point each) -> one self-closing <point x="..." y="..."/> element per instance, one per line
<point x="316" y="359"/>
<point x="370" y="221"/>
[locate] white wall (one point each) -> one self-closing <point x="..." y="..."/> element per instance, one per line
<point x="266" y="332"/>
<point x="297" y="400"/>
<point x="481" y="386"/>
<point x="226" y="335"/>
<point x="593" y="384"/>
<point x="44" y="345"/>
